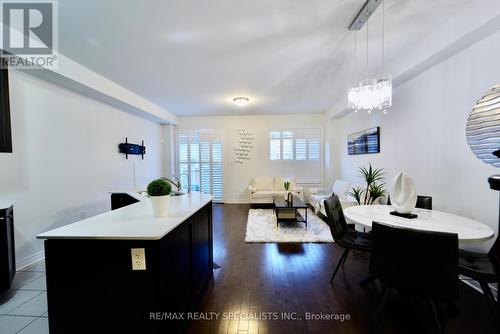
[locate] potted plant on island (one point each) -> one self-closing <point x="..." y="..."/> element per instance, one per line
<point x="159" y="193"/>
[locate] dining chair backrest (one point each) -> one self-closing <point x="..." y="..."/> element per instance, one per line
<point x="423" y="202"/>
<point x="419" y="262"/>
<point x="335" y="217"/>
<point x="494" y="255"/>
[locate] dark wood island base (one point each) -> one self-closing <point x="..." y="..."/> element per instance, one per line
<point x="92" y="288"/>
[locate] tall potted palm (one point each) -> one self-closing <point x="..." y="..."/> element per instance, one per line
<point x="374" y="179"/>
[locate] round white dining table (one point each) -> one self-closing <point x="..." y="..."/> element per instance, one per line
<point x="468" y="230"/>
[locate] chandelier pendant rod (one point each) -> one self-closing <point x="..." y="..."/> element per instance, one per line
<point x="356" y="64"/>
<point x="383" y="36"/>
<point x="367" y="36"/>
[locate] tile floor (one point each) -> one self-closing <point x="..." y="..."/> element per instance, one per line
<point x="23" y="309"/>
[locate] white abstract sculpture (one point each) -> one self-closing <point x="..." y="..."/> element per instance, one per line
<point x="404" y="194"/>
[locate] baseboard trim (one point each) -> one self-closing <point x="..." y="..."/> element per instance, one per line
<point x="30" y="260"/>
<point x="236" y="202"/>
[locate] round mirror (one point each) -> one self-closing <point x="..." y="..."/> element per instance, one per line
<point x="483" y="127"/>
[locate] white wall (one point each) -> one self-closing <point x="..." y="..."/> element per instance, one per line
<point x="168" y="150"/>
<point x="237" y="177"/>
<point x="331" y="170"/>
<point x="424" y="134"/>
<point x="66" y="157"/>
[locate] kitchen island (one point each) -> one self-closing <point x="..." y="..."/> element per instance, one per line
<point x="115" y="272"/>
<point x="7" y="245"/>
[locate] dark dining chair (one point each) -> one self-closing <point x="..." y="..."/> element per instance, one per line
<point x="400" y="262"/>
<point x="344" y="236"/>
<point x="423" y="202"/>
<point x="481" y="267"/>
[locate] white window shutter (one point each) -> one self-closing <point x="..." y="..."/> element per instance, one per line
<point x="296" y="153"/>
<point x="199" y="155"/>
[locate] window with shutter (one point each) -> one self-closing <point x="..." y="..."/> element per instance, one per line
<point x="199" y="161"/>
<point x="296" y="153"/>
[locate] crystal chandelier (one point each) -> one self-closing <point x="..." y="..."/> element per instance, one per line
<point x="371" y="94"/>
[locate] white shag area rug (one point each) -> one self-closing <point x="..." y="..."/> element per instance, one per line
<point x="261" y="227"/>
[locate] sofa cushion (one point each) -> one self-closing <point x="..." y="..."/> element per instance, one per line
<point x="263" y="183"/>
<point x="315" y="198"/>
<point x="268" y="193"/>
<point x="278" y="184"/>
<point x="345" y="203"/>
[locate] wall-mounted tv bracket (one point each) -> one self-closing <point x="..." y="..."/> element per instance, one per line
<point x="135" y="149"/>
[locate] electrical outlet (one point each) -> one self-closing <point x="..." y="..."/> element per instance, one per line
<point x="138" y="258"/>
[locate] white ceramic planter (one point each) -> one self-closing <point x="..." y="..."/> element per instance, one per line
<point x="404" y="194"/>
<point x="160" y="205"/>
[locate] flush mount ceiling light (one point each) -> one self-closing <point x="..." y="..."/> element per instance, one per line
<point x="241" y="101"/>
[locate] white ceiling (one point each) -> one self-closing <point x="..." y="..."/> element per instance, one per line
<point x="192" y="57"/>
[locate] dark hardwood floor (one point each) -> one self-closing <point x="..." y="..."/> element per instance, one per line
<point x="256" y="278"/>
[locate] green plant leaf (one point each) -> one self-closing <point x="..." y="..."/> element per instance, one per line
<point x="371" y="176"/>
<point x="356" y="193"/>
<point x="376" y="191"/>
<point x="159" y="187"/>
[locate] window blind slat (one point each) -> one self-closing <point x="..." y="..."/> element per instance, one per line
<point x="300" y="149"/>
<point x="217" y="170"/>
<point x="314" y="149"/>
<point x="275" y="145"/>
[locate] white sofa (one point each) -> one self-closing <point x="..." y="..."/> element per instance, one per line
<point x="262" y="189"/>
<point x="340" y="188"/>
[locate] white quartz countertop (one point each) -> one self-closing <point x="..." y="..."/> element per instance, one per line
<point x="133" y="222"/>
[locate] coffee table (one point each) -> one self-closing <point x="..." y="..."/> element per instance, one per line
<point x="288" y="212"/>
